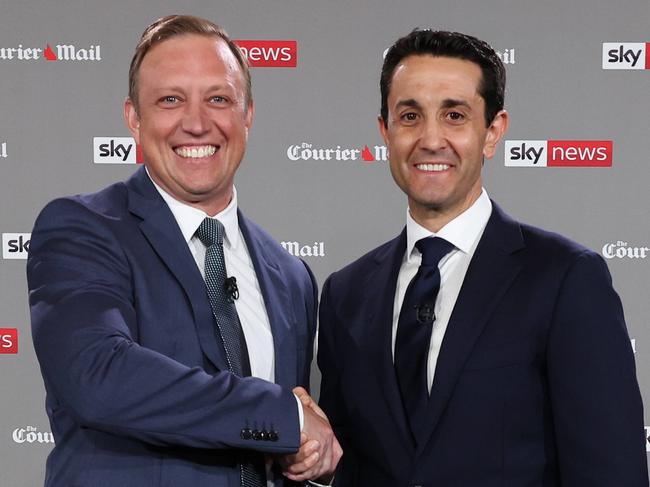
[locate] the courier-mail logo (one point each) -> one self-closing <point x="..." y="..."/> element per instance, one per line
<point x="270" y="54"/>
<point x="626" y="55"/>
<point x="116" y="150"/>
<point x="558" y="153"/>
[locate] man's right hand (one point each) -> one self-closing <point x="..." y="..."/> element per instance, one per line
<point x="319" y="451"/>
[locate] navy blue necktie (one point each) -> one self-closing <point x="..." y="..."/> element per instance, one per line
<point x="414" y="331"/>
<point x="211" y="233"/>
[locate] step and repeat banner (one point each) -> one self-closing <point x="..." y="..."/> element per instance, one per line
<point x="576" y="159"/>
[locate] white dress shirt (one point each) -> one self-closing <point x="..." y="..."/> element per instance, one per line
<point x="250" y="304"/>
<point x="464" y="232"/>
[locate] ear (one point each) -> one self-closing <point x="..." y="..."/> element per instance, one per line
<point x="382" y="129"/>
<point x="495" y="133"/>
<point x="132" y="119"/>
<point x="248" y="116"/>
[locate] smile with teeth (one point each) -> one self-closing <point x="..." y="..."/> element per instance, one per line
<point x="432" y="167"/>
<point x="196" y="152"/>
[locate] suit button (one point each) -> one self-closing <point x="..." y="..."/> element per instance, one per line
<point x="274" y="436"/>
<point x="264" y="435"/>
<point x="256" y="435"/>
<point x="246" y="434"/>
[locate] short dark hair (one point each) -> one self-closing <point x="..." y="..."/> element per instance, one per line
<point x="177" y="25"/>
<point x="454" y="45"/>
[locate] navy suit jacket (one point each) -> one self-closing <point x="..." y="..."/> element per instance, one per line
<point x="535" y="383"/>
<point x="138" y="389"/>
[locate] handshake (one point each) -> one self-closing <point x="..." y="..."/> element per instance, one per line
<point x="319" y="451"/>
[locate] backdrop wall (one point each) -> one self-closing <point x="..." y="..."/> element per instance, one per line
<point x="315" y="173"/>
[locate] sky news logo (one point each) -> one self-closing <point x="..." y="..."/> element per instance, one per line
<point x="270" y="54"/>
<point x="9" y="341"/>
<point x="15" y="245"/>
<point x="116" y="150"/>
<point x="60" y="52"/>
<point x="626" y="55"/>
<point x="559" y="153"/>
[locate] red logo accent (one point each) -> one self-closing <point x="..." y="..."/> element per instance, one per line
<point x="367" y="155"/>
<point x="580" y="153"/>
<point x="270" y="54"/>
<point x="139" y="158"/>
<point x="8" y="340"/>
<point x="647" y="55"/>
<point x="49" y="54"/>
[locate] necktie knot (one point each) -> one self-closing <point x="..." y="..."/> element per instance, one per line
<point x="433" y="249"/>
<point x="210" y="232"/>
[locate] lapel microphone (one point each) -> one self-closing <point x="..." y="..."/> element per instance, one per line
<point x="424" y="313"/>
<point x="232" y="291"/>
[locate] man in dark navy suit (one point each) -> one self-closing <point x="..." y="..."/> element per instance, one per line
<point x="472" y="350"/>
<point x="170" y="329"/>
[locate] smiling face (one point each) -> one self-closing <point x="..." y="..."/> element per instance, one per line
<point x="436" y="135"/>
<point x="192" y="119"/>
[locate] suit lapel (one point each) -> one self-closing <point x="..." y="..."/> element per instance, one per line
<point x="277" y="302"/>
<point x="161" y="230"/>
<point x="491" y="272"/>
<point x="380" y="285"/>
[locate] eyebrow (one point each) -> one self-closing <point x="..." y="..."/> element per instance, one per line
<point x="450" y="102"/>
<point x="446" y="103"/>
<point x="410" y="102"/>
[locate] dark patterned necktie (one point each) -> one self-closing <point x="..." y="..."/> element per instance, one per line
<point x="414" y="331"/>
<point x="211" y="233"/>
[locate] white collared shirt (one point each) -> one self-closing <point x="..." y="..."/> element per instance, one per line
<point x="250" y="305"/>
<point x="464" y="232"/>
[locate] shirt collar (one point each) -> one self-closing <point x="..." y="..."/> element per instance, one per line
<point x="189" y="218"/>
<point x="463" y="231"/>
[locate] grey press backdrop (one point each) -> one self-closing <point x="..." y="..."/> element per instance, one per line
<point x="332" y="210"/>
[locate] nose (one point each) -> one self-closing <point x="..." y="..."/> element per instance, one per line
<point x="432" y="136"/>
<point x="195" y="120"/>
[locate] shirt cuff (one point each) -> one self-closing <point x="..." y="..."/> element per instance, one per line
<point x="316" y="484"/>
<point x="301" y="414"/>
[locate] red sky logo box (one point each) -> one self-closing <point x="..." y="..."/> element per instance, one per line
<point x="626" y="55"/>
<point x="270" y="54"/>
<point x="559" y="153"/>
<point x="8" y="340"/>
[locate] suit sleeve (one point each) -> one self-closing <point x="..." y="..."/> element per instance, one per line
<point x="595" y="398"/>
<point x="331" y="400"/>
<point x="311" y="311"/>
<point x="85" y="333"/>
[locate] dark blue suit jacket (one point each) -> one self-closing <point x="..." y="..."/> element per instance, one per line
<point x="535" y="384"/>
<point x="138" y="392"/>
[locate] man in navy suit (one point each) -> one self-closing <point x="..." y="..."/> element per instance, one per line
<point x="141" y="386"/>
<point x="472" y="350"/>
